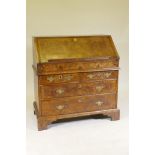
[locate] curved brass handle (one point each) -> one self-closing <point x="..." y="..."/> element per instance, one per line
<point x="60" y="107"/>
<point x="101" y="75"/>
<point x="50" y="78"/>
<point x="99" y="103"/>
<point x="107" y="74"/>
<point x="99" y="88"/>
<point x="60" y="91"/>
<point x="59" y="77"/>
<point x="90" y="76"/>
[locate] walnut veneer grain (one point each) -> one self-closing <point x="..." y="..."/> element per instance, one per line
<point x="75" y="76"/>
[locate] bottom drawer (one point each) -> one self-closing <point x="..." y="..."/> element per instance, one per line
<point x="70" y="105"/>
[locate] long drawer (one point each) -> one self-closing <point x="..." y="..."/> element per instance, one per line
<point x="77" y="89"/>
<point x="78" y="104"/>
<point x="73" y="77"/>
<point x="75" y="66"/>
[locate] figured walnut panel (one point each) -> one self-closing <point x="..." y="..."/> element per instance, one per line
<point x="78" y="104"/>
<point x="94" y="76"/>
<point x="77" y="77"/>
<point x="69" y="67"/>
<point x="50" y="48"/>
<point x="77" y="89"/>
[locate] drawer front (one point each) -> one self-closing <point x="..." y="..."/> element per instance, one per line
<point x="77" y="89"/>
<point x="94" y="76"/>
<point x="72" y="67"/>
<point x="58" y="78"/>
<point x="78" y="104"/>
<point x="74" y="77"/>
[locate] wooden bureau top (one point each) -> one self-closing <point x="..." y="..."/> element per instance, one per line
<point x="74" y="47"/>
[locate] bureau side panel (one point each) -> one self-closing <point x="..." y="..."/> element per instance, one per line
<point x="117" y="89"/>
<point x="36" y="91"/>
<point x="117" y="80"/>
<point x="34" y="66"/>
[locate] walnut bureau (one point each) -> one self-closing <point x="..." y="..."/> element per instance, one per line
<point x="75" y="76"/>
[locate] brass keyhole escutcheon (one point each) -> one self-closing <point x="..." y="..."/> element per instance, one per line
<point x="75" y="39"/>
<point x="60" y="77"/>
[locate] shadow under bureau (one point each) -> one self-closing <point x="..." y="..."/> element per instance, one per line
<point x="74" y="76"/>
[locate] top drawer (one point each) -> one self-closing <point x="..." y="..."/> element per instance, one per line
<point x="76" y="66"/>
<point x="74" y="77"/>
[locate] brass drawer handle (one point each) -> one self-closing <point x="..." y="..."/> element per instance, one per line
<point x="60" y="91"/>
<point x="107" y="74"/>
<point x="60" y="107"/>
<point x="50" y="78"/>
<point x="99" y="103"/>
<point x="100" y="75"/>
<point x="99" y="88"/>
<point x="59" y="77"/>
<point x="90" y="76"/>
